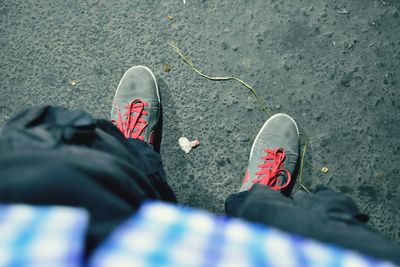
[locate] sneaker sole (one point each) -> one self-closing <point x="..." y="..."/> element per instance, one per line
<point x="136" y="67"/>
<point x="265" y="125"/>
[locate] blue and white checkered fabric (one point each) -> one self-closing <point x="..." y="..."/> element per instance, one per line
<point x="158" y="235"/>
<point x="41" y="236"/>
<point x="164" y="235"/>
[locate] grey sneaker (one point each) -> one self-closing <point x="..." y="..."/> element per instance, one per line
<point x="136" y="105"/>
<point x="274" y="154"/>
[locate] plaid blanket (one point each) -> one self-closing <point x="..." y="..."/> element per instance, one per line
<point x="159" y="234"/>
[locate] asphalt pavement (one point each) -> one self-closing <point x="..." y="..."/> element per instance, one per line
<point x="332" y="65"/>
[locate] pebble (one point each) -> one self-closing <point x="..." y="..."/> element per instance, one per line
<point x="328" y="34"/>
<point x="319" y="116"/>
<point x="227" y="182"/>
<point x="379" y="175"/>
<point x="221" y="162"/>
<point x="324" y="141"/>
<point x="286" y="67"/>
<point x="324" y="15"/>
<point x="259" y="38"/>
<point x="244" y="139"/>
<point x="304" y="12"/>
<point x="373" y="23"/>
<point x="345" y="80"/>
<point x="216" y="96"/>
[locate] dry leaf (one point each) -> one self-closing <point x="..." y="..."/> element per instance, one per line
<point x="324" y="169"/>
<point x="73" y="82"/>
<point x="187" y="145"/>
<point x="167" y="67"/>
<point x="169" y="17"/>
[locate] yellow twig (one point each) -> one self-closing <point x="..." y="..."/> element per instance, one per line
<point x="303" y="155"/>
<point x="222" y="78"/>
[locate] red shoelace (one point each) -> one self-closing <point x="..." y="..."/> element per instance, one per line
<point x="271" y="168"/>
<point x="134" y="124"/>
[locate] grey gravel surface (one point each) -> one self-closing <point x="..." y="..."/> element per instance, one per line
<point x="332" y="65"/>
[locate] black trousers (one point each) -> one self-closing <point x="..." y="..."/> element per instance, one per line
<point x="323" y="215"/>
<point x="50" y="155"/>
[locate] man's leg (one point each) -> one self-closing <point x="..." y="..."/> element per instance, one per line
<point x="272" y="163"/>
<point x="324" y="215"/>
<point x="52" y="156"/>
